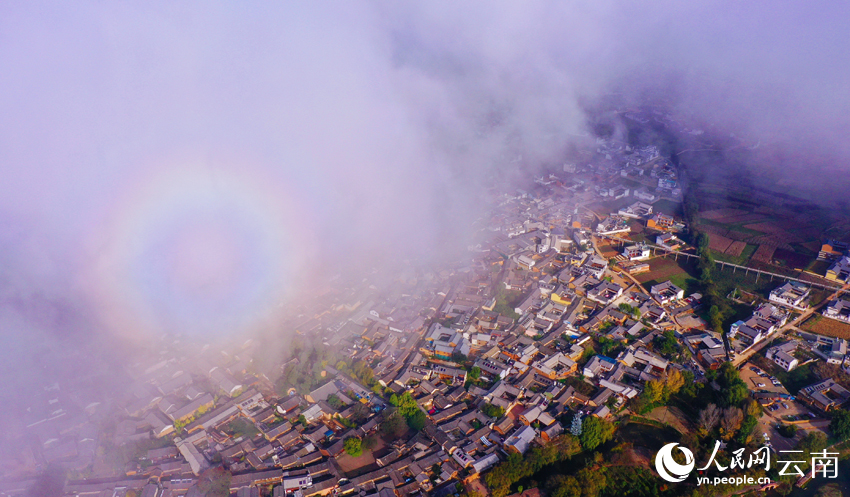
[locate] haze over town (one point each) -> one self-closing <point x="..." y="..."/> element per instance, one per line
<point x="236" y="236"/>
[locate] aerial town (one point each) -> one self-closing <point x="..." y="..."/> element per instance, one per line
<point x="603" y="301"/>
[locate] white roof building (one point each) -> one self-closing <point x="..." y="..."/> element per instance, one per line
<point x="791" y="294"/>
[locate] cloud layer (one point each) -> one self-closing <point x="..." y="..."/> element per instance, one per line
<point x="378" y="122"/>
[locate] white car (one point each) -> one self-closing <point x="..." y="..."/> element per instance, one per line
<point x="760" y="385"/>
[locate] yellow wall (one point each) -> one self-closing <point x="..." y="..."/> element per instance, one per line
<point x="557" y="298"/>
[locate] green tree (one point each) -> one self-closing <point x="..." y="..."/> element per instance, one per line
<point x="563" y="486"/>
<point x="840" y="424"/>
<point x="735" y="394"/>
<point x="814" y="441"/>
<point x="335" y="402"/>
<point x="787" y="430"/>
<point x="353" y="446"/>
<point x="493" y="411"/>
<point x="369" y="442"/>
<point x="666" y="344"/>
<point x="394" y="426"/>
<point x="591" y="482"/>
<point x="733" y="390"/>
<point x="459" y="358"/>
<point x="475" y="373"/>
<point x="715" y="316"/>
<point x="595" y="431"/>
<point x="416" y="421"/>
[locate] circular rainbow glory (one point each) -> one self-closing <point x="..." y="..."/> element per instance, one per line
<point x="202" y="251"/>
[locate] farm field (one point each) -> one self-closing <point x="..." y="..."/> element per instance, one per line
<point x="755" y="227"/>
<point x="764" y="253"/>
<point x="826" y="327"/>
<point x="682" y="273"/>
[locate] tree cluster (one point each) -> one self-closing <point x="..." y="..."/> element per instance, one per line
<point x="719" y="308"/>
<point x="730" y="421"/>
<point x="595" y="431"/>
<point x="493" y="411"/>
<point x="353" y="446"/>
<point x="840" y="424"/>
<point x="335" y="402"/>
<point x="658" y="392"/>
<point x="615" y="481"/>
<point x="215" y="482"/>
<point x="518" y="466"/>
<point x="407" y="407"/>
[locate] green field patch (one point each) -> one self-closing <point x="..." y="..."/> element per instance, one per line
<point x="682" y="273"/>
<point x="818" y="267"/>
<point x="741" y="260"/>
<point x="792" y="259"/>
<point x="729" y="278"/>
<point x="731" y="227"/>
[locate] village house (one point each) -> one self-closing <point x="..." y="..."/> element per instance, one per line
<point x="838" y="309"/>
<point x="834" y="352"/>
<point x="555" y="367"/>
<point x="668" y="241"/>
<point x="783" y="355"/>
<point x="764" y="321"/>
<point x="825" y="395"/>
<point x="665" y="293"/>
<point x="520" y="441"/>
<point x="661" y="222"/>
<point x="636" y="211"/>
<point x="791" y="294"/>
<point x="637" y="252"/>
<point x="840" y="270"/>
<point x="605" y="292"/>
<point x="597" y="365"/>
<point x="644" y="194"/>
<point x="634" y="267"/>
<point x="612" y="225"/>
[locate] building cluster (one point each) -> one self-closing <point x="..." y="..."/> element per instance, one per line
<point x="500" y="352"/>
<point x="766" y="319"/>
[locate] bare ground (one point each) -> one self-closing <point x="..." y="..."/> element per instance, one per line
<point x="736" y="248"/>
<point x="672" y="416"/>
